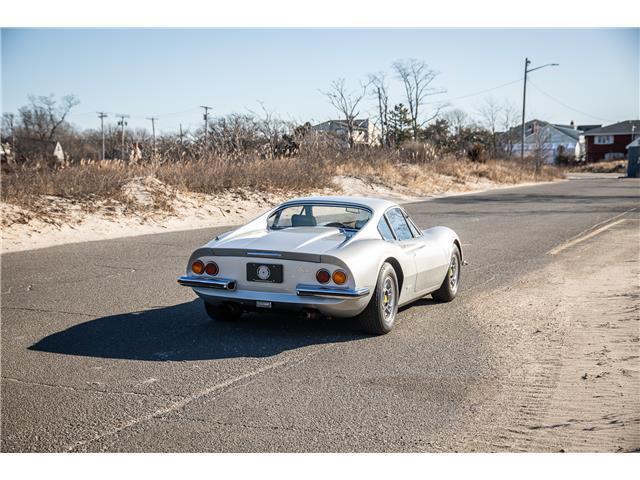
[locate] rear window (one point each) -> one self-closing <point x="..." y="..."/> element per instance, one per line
<point x="319" y="215"/>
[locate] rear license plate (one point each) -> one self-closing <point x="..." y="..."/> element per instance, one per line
<point x="263" y="304"/>
<point x="264" y="272"/>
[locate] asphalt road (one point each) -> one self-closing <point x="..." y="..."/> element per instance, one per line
<point x="102" y="350"/>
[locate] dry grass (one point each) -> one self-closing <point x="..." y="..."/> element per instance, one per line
<point x="613" y="166"/>
<point x="421" y="176"/>
<point x="89" y="183"/>
<point x="212" y="176"/>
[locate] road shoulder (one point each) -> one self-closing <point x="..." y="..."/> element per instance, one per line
<point x="565" y="342"/>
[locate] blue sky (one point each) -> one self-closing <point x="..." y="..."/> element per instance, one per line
<point x="168" y="73"/>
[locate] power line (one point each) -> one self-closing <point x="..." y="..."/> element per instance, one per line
<point x="487" y="90"/>
<point x="568" y="106"/>
<point x="168" y="114"/>
<point x="173" y="114"/>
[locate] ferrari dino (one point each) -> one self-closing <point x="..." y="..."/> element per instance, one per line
<point x="332" y="256"/>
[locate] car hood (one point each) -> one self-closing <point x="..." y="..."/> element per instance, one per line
<point x="317" y="240"/>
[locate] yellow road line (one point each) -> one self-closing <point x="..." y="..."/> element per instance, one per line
<point x="582" y="238"/>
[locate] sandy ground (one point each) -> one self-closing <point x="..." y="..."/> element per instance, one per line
<point x="62" y="221"/>
<point x="567" y="353"/>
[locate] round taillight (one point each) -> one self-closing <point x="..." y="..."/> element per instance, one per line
<point x="197" y="267"/>
<point x="211" y="268"/>
<point x="323" y="276"/>
<point x="339" y="277"/>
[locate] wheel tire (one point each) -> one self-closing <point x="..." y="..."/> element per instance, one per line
<point x="373" y="319"/>
<point x="449" y="288"/>
<point x="223" y="312"/>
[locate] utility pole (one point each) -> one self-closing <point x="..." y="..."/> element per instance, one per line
<point x="122" y="123"/>
<point x="206" y="123"/>
<point x="101" y="116"/>
<point x="528" y="70"/>
<point x="181" y="150"/>
<point x="153" y="130"/>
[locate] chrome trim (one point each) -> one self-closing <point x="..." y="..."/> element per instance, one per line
<point x="242" y="252"/>
<point x="321" y="291"/>
<point x="264" y="254"/>
<point x="217" y="283"/>
<point x="324" y="203"/>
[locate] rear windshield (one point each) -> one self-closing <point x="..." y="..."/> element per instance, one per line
<point x="319" y="215"/>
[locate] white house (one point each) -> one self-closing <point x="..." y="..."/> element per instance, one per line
<point x="364" y="133"/>
<point x="552" y="141"/>
<point x="58" y="153"/>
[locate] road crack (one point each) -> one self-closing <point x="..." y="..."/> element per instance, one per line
<point x="215" y="390"/>
<point x="92" y="390"/>
<point x="43" y="310"/>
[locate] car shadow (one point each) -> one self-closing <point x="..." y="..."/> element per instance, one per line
<point x="421" y="302"/>
<point x="184" y="332"/>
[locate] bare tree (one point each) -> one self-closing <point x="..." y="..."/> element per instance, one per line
<point x="510" y="118"/>
<point x="44" y="115"/>
<point x="380" y="92"/>
<point x="417" y="77"/>
<point x="346" y="103"/>
<point x="457" y="120"/>
<point x="270" y="126"/>
<point x="541" y="149"/>
<point x="490" y="112"/>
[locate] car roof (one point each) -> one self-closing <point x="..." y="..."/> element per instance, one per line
<point x="375" y="204"/>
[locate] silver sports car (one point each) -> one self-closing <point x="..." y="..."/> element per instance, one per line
<point x="333" y="256"/>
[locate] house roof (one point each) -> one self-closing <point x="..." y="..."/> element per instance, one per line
<point x="565" y="129"/>
<point x="586" y="128"/>
<point x="620" y="128"/>
<point x="358" y="123"/>
<point x="635" y="143"/>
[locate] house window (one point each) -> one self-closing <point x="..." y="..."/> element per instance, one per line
<point x="604" y="139"/>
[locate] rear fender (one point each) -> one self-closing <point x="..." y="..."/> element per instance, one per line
<point x="445" y="237"/>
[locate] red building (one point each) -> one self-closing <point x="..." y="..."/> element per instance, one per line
<point x="610" y="142"/>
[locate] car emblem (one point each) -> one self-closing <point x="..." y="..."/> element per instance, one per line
<point x="264" y="272"/>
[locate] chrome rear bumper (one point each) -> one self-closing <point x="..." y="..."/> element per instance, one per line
<point x="332" y="301"/>
<point x="333" y="292"/>
<point x="216" y="283"/>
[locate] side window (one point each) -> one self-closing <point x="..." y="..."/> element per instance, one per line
<point x="414" y="229"/>
<point x="385" y="231"/>
<point x="399" y="224"/>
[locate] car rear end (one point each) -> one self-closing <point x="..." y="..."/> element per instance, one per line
<point x="273" y="280"/>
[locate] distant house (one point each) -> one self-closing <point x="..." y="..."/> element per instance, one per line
<point x="6" y="152"/>
<point x="552" y="141"/>
<point x="364" y="132"/>
<point x="31" y="148"/>
<point x="58" y="153"/>
<point x="610" y="142"/>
